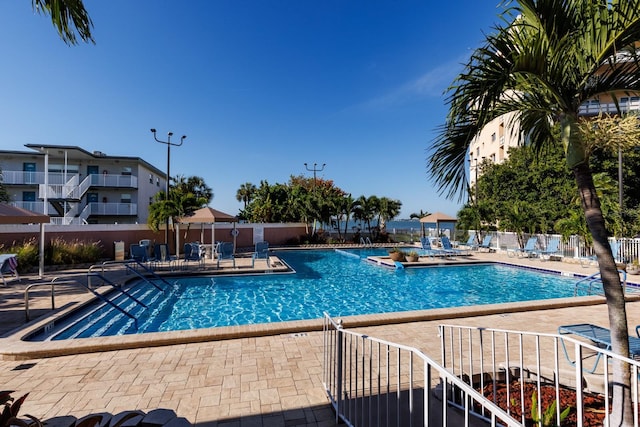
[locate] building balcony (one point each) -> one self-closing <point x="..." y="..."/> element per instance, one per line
<point x="593" y="108"/>
<point x="112" y="209"/>
<point x="55" y="178"/>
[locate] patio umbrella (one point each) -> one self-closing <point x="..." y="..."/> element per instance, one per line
<point x="209" y="215"/>
<point x="13" y="215"/>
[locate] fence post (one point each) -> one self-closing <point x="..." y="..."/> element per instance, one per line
<point x="339" y="373"/>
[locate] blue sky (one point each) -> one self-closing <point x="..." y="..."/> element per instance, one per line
<point x="259" y="88"/>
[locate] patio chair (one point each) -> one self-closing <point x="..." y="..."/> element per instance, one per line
<point x="192" y="253"/>
<point x="225" y="252"/>
<point x="8" y="265"/>
<point x="139" y="253"/>
<point x="162" y="255"/>
<point x="529" y="249"/>
<point x="261" y="252"/>
<point x="552" y="249"/>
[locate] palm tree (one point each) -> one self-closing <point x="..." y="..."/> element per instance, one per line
<point x="388" y="209"/>
<point x="69" y="17"/>
<point x="246" y="193"/>
<point x="418" y="215"/>
<point x="546" y="59"/>
<point x="365" y="209"/>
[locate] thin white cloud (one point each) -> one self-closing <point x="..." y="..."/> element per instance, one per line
<point x="431" y="84"/>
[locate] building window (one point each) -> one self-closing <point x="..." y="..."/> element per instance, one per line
<point x="150" y="201"/>
<point x="150" y="179"/>
<point x="493" y="137"/>
<point x="125" y="198"/>
<point x="126" y="171"/>
<point x="157" y="182"/>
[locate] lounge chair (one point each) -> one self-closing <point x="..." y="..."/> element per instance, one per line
<point x="529" y="249"/>
<point x="192" y="253"/>
<point x="428" y="249"/>
<point x="615" y="250"/>
<point x="552" y="249"/>
<point x="225" y="252"/>
<point x="600" y="337"/>
<point x="448" y="247"/>
<point x="8" y="265"/>
<point x="486" y="243"/>
<point x="261" y="252"/>
<point x="471" y="243"/>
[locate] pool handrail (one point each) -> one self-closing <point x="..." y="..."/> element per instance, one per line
<point x="595" y="278"/>
<point x="143" y="277"/>
<point x="116" y="287"/>
<point x="52" y="283"/>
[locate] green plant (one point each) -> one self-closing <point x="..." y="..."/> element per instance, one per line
<point x="9" y="415"/>
<point x="549" y="414"/>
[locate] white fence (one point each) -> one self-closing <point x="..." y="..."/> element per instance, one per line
<point x="573" y="248"/>
<point x="372" y="382"/>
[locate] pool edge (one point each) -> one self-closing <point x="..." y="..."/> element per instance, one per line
<point x="17" y="349"/>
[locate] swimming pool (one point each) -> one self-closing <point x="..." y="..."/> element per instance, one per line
<point x="341" y="284"/>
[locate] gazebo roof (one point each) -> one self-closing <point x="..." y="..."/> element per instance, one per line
<point x="207" y="216"/>
<point x="437" y="217"/>
<point x="13" y="215"/>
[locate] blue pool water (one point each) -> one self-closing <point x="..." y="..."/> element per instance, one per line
<point x="340" y="284"/>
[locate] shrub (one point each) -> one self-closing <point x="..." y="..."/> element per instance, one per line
<point x="9" y="414"/>
<point x="57" y="252"/>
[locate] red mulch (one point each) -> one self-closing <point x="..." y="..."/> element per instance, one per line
<point x="593" y="403"/>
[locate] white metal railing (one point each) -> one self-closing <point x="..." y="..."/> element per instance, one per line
<point x="57" y="178"/>
<point x="574" y="247"/>
<point x="30" y="206"/>
<point x="593" y="108"/>
<point x="372" y="382"/>
<point x="113" y="180"/>
<point x="112" y="208"/>
<point x="488" y="359"/>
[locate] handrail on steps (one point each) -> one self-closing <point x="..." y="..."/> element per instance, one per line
<point x="53" y="284"/>
<point x="596" y="278"/>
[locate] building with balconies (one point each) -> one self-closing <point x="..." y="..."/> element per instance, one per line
<point x="494" y="140"/>
<point x="75" y="186"/>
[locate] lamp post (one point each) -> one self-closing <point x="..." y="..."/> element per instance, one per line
<point x="314" y="170"/>
<point x="168" y="143"/>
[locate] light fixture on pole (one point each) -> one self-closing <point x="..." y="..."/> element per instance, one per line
<point x="168" y="143"/>
<point x="314" y="170"/>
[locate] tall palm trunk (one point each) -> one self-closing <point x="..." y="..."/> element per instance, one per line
<point x="622" y="414"/>
<point x="578" y="162"/>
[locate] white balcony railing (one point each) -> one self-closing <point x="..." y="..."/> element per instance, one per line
<point x="593" y="108"/>
<point x="95" y="180"/>
<point x="112" y="208"/>
<point x="112" y="180"/>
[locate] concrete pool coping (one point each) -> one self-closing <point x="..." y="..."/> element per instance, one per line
<point x="15" y="348"/>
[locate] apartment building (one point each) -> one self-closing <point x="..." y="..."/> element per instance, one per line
<point x="494" y="140"/>
<point x="75" y="186"/>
